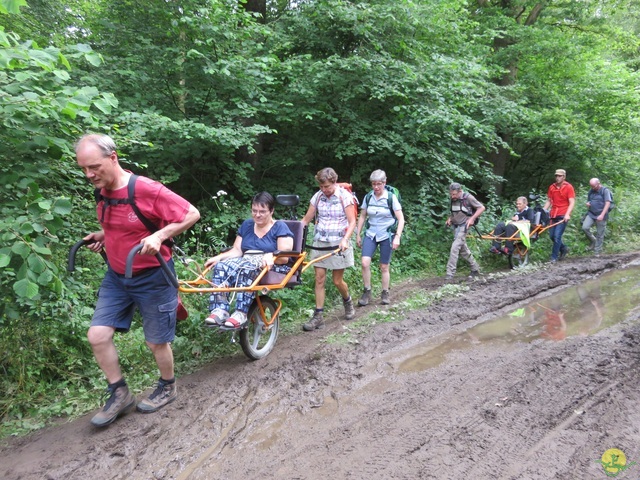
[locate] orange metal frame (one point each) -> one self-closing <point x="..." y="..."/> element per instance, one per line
<point x="519" y="247"/>
<point x="201" y="284"/>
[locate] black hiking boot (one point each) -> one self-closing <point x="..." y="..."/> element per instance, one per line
<point x="564" y="251"/>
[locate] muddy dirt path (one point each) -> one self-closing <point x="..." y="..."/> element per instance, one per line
<point x="429" y="397"/>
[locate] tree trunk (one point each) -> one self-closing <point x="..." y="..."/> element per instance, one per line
<point x="243" y="154"/>
<point x="500" y="157"/>
<point x="257" y="6"/>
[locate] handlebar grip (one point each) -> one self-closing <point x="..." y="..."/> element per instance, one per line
<point x="128" y="272"/>
<point x="71" y="266"/>
<point x="284" y="253"/>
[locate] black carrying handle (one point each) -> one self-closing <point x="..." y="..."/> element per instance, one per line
<point x="71" y="266"/>
<point x="322" y="249"/>
<point x="128" y="272"/>
<point x="283" y="253"/>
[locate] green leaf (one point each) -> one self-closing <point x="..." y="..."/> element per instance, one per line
<point x="57" y="286"/>
<point x="64" y="61"/>
<point x="42" y="250"/>
<point x="94" y="59"/>
<point x="26" y="76"/>
<point x="62" y="75"/>
<point x="103" y="106"/>
<point x="12" y="6"/>
<point x="62" y="206"/>
<point x="31" y="96"/>
<point x="21" y="248"/>
<point x="35" y="263"/>
<point x="43" y="58"/>
<point x="25" y="288"/>
<point x="44" y="204"/>
<point x="45" y="278"/>
<point x="54" y="224"/>
<point x="25" y="229"/>
<point x="4" y="260"/>
<point x="41" y="141"/>
<point x="70" y="112"/>
<point x="83" y="47"/>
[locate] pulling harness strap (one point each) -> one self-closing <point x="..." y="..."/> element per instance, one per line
<point x="131" y="186"/>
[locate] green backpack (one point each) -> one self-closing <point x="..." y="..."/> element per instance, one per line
<point x="392" y="191"/>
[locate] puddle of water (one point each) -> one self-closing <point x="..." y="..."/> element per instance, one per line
<point x="580" y="310"/>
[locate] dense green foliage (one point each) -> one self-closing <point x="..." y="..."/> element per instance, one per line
<point x="218" y="102"/>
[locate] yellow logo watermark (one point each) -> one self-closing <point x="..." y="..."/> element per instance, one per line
<point x="614" y="461"/>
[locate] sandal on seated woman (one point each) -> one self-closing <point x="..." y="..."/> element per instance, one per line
<point x="236" y="320"/>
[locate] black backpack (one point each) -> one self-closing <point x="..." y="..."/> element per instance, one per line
<point x="130" y="200"/>
<point x="466" y="207"/>
<point x="613" y="204"/>
<point x="604" y="189"/>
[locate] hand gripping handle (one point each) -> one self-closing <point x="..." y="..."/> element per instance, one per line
<point x="128" y="273"/>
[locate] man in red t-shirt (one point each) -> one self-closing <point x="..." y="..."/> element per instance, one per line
<point x="561" y="198"/>
<point x="149" y="289"/>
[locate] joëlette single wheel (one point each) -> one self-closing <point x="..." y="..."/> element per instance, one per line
<point x="257" y="339"/>
<point x="519" y="257"/>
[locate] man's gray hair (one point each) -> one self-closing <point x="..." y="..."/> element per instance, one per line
<point x="455" y="187"/>
<point x="378" y="176"/>
<point x="104" y="142"/>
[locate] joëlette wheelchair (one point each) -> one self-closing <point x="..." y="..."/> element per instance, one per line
<point x="259" y="335"/>
<point x="520" y="255"/>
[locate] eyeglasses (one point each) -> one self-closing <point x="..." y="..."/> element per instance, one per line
<point x="377" y="184"/>
<point x="559" y="175"/>
<point x="258" y="213"/>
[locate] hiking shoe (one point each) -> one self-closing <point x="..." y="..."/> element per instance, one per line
<point x="505" y="250"/>
<point x="217" y="317"/>
<point x="474" y="274"/>
<point x="564" y="251"/>
<point x="120" y="401"/>
<point x="494" y="250"/>
<point x="349" y="310"/>
<point x="365" y="298"/>
<point x="236" y="320"/>
<point x="317" y="321"/>
<point x="449" y="279"/>
<point x="591" y="247"/>
<point x="164" y="394"/>
<point x="386" y="298"/>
